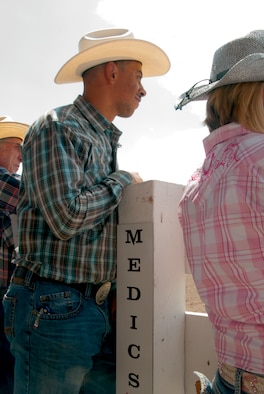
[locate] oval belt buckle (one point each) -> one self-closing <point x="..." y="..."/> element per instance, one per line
<point x="102" y="293"/>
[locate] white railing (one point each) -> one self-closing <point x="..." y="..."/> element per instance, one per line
<point x="159" y="345"/>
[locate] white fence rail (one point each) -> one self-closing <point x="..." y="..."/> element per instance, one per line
<point x="159" y="345"/>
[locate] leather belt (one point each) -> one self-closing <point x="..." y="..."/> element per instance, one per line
<point x="97" y="291"/>
<point x="251" y="383"/>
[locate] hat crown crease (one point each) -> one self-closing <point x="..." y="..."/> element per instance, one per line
<point x="101" y="36"/>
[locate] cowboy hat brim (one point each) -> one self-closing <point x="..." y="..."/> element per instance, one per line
<point x="153" y="59"/>
<point x="13" y="130"/>
<point x="249" y="69"/>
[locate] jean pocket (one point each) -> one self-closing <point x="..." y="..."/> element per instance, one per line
<point x="52" y="304"/>
<point x="9" y="304"/>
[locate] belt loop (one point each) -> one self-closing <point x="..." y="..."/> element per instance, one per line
<point x="28" y="277"/>
<point x="88" y="290"/>
<point x="238" y="381"/>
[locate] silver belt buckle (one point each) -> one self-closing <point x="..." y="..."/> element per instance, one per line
<point x="102" y="293"/>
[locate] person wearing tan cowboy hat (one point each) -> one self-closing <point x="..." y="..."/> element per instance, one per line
<point x="11" y="136"/>
<point x="221" y="213"/>
<point x="70" y="190"/>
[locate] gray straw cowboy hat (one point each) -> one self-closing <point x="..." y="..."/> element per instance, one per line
<point x="240" y="60"/>
<point x="106" y="45"/>
<point x="11" y="129"/>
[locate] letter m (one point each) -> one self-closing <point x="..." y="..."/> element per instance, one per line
<point x="136" y="238"/>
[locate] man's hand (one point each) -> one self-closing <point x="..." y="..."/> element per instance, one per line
<point x="136" y="178"/>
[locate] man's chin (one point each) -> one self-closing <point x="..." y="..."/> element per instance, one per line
<point x="128" y="114"/>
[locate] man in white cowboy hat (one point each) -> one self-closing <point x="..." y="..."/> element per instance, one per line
<point x="70" y="190"/>
<point x="11" y="136"/>
<point x="222" y="214"/>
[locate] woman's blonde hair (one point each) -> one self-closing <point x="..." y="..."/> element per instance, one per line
<point x="241" y="103"/>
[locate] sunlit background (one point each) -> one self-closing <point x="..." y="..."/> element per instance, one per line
<point x="38" y="37"/>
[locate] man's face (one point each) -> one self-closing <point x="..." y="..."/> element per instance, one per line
<point x="10" y="154"/>
<point x="129" y="87"/>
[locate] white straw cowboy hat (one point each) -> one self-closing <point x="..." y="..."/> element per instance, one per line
<point x="102" y="46"/>
<point x="240" y="60"/>
<point x="11" y="129"/>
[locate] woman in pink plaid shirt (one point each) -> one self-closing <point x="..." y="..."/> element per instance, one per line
<point x="222" y="214"/>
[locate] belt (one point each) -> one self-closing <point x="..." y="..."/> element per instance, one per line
<point x="251" y="383"/>
<point x="97" y="291"/>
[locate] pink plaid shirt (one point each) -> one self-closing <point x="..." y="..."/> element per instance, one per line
<point x="222" y="217"/>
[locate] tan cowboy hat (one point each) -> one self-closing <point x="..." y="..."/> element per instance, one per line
<point x="240" y="60"/>
<point x="11" y="129"/>
<point x="102" y="46"/>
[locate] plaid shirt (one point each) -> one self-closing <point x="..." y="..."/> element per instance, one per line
<point x="69" y="195"/>
<point x="222" y="216"/>
<point x="9" y="186"/>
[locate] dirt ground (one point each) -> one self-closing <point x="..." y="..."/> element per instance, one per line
<point x="193" y="302"/>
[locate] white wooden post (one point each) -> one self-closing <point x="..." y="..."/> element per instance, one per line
<point x="150" y="291"/>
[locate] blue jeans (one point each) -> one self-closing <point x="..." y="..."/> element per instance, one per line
<point x="59" y="339"/>
<point x="220" y="386"/>
<point x="6" y="360"/>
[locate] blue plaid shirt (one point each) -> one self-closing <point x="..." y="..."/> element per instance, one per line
<point x="69" y="194"/>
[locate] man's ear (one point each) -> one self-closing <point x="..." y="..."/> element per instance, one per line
<point x="111" y="72"/>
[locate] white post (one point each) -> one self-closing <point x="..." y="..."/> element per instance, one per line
<point x="150" y="291"/>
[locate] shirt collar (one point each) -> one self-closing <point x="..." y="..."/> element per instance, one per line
<point x="222" y="134"/>
<point x="95" y="117"/>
